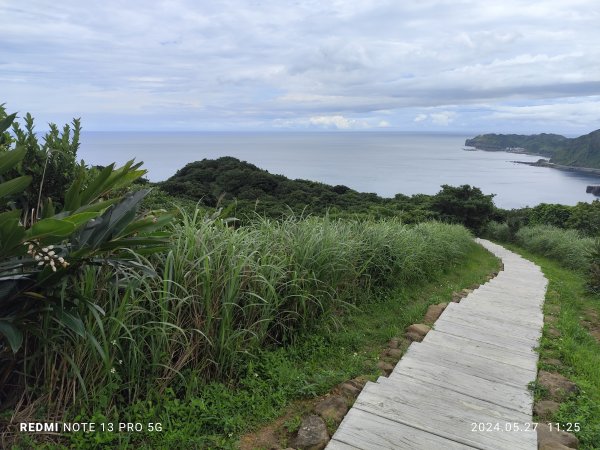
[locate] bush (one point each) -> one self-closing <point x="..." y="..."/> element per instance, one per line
<point x="498" y="232"/>
<point x="465" y="205"/>
<point x="566" y="246"/>
<point x="593" y="283"/>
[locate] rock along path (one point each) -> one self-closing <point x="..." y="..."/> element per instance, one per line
<point x="465" y="385"/>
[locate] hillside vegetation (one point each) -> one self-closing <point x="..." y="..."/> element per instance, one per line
<point x="246" y="190"/>
<point x="540" y="144"/>
<point x="583" y="151"/>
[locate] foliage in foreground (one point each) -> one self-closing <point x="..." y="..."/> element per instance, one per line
<point x="44" y="247"/>
<point x="212" y="415"/>
<point x="223" y="295"/>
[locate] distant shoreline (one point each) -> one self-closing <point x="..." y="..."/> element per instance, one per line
<point x="546" y="163"/>
<point x="539" y="162"/>
<point x="516" y="150"/>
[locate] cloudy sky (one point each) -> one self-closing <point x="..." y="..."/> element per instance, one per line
<point x="414" y="65"/>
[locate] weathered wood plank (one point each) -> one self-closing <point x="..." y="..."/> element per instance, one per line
<point x="511" y="397"/>
<point x="452" y="419"/>
<point x="506" y="305"/>
<point x="526" y="361"/>
<point x="485" y="368"/>
<point x="492" y="326"/>
<point x="497" y="314"/>
<point x="502" y="315"/>
<point x="480" y="334"/>
<point x="367" y="431"/>
<point x="334" y="444"/>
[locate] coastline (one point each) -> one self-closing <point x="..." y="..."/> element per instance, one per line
<point x="546" y="163"/>
<point x="540" y="162"/>
<point x="515" y="150"/>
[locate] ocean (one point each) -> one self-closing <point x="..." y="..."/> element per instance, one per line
<point x="386" y="163"/>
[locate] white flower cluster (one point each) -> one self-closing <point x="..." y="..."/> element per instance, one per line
<point x="45" y="255"/>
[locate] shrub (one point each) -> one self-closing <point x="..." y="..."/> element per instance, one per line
<point x="498" y="231"/>
<point x="593" y="283"/>
<point x="566" y="246"/>
<point x="465" y="205"/>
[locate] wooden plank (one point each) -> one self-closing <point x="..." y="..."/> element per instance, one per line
<point x="507" y="289"/>
<point x="444" y="395"/>
<point x="509" y="396"/>
<point x="477" y="348"/>
<point x="334" y="444"/>
<point x="423" y="408"/>
<point x="523" y="333"/>
<point x="480" y="334"/>
<point x="517" y="306"/>
<point x="485" y="368"/>
<point x="510" y="290"/>
<point x="367" y="431"/>
<point x="501" y="314"/>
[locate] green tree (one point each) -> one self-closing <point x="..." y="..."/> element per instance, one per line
<point x="550" y="214"/>
<point x="585" y="217"/>
<point x="465" y="205"/>
<point x="50" y="162"/>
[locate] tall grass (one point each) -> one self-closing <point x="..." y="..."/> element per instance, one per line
<point x="221" y="295"/>
<point x="568" y="247"/>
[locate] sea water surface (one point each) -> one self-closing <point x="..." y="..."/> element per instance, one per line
<point x="386" y="163"/>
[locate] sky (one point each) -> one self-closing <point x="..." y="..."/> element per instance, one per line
<point x="456" y="66"/>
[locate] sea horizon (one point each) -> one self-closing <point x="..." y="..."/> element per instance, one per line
<point x="384" y="162"/>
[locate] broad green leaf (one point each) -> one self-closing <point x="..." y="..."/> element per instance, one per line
<point x="11" y="236"/>
<point x="97" y="207"/>
<point x="147" y="224"/>
<point x="96" y="187"/>
<point x="73" y="195"/>
<point x="7" y="122"/>
<point x="10" y="215"/>
<point x="13" y="335"/>
<point x="81" y="218"/>
<point x="50" y="227"/>
<point x="112" y="221"/>
<point x="15" y="185"/>
<point x="8" y="160"/>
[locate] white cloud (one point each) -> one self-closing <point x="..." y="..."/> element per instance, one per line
<point x="576" y="113"/>
<point x="339" y="122"/>
<point x="443" y="118"/>
<point x="341" y="63"/>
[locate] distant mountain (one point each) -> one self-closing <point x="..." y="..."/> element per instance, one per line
<point x="541" y="144"/>
<point x="583" y="151"/>
<point x="226" y="179"/>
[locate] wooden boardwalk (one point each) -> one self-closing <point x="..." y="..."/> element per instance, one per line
<point x="465" y="385"/>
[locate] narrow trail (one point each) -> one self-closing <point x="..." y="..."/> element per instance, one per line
<point x="465" y="385"/>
